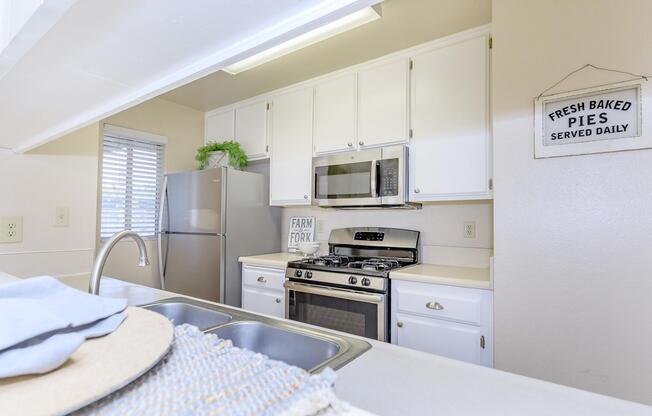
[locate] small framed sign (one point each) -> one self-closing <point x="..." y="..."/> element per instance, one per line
<point x="301" y="229"/>
<point x="592" y="120"/>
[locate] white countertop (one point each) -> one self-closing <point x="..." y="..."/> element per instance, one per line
<point x="273" y="259"/>
<point x="391" y="380"/>
<point x="472" y="277"/>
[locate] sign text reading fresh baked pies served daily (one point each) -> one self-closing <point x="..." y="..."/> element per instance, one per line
<point x="604" y="115"/>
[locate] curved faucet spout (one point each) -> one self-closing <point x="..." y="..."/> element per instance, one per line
<point x="100" y="260"/>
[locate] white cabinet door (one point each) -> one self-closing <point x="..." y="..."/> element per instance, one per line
<point x="448" y="339"/>
<point x="291" y="153"/>
<point x="267" y="302"/>
<point x="219" y="126"/>
<point x="450" y="155"/>
<point x="335" y="106"/>
<point x="251" y="129"/>
<point x="383" y="104"/>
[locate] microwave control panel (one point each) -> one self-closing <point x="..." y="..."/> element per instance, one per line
<point x="389" y="176"/>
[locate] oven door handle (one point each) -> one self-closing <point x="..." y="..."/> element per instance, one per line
<point x="340" y="293"/>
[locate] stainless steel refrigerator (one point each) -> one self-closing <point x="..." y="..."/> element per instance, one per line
<point x="209" y="219"/>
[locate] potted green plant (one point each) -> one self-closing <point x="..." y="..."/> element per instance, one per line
<point x="214" y="155"/>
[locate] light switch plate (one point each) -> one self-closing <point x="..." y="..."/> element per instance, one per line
<point x="11" y="229"/>
<point x="62" y="217"/>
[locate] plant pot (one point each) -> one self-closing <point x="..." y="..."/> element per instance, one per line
<point x="218" y="160"/>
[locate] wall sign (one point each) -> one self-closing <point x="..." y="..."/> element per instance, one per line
<point x="301" y="229"/>
<point x="593" y="120"/>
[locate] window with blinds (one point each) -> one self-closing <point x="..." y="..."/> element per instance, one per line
<point x="132" y="177"/>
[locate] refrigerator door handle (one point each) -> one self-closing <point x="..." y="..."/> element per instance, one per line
<point x="161" y="265"/>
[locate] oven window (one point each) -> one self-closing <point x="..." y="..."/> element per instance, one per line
<point x="351" y="180"/>
<point x="353" y="317"/>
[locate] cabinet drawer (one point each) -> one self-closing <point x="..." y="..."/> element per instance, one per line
<point x="442" y="302"/>
<point x="263" y="277"/>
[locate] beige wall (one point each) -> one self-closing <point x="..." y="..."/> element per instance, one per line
<point x="573" y="235"/>
<point x="65" y="173"/>
<point x="32" y="185"/>
<point x="184" y="128"/>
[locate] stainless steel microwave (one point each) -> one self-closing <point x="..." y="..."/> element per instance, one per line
<point x="371" y="177"/>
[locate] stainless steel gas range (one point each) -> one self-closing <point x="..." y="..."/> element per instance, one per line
<point x="348" y="290"/>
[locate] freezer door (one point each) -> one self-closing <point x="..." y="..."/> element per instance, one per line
<point x="194" y="202"/>
<point x="193" y="265"/>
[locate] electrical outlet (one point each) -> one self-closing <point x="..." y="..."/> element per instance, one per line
<point x="469" y="229"/>
<point x="61" y="217"/>
<point x="11" y="229"/>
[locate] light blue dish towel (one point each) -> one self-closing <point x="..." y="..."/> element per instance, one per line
<point x="43" y="321"/>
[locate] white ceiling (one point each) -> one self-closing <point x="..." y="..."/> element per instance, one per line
<point x="404" y="23"/>
<point x="104" y="56"/>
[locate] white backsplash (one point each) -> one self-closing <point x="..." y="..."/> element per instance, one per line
<point x="441" y="226"/>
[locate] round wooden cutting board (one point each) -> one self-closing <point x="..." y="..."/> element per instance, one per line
<point x="99" y="367"/>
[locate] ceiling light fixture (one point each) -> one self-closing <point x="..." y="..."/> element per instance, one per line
<point x="336" y="27"/>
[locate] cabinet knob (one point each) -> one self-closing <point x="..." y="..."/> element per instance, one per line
<point x="305" y="197"/>
<point x="278" y="300"/>
<point x="350" y="144"/>
<point x="417" y="190"/>
<point x="261" y="279"/>
<point x="399" y="324"/>
<point x="361" y="143"/>
<point x="434" y="306"/>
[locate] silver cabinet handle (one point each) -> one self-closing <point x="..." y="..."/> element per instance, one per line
<point x="417" y="190"/>
<point x="278" y="300"/>
<point x="305" y="197"/>
<point x="361" y="143"/>
<point x="434" y="305"/>
<point x="399" y="324"/>
<point x="261" y="279"/>
<point x="350" y="144"/>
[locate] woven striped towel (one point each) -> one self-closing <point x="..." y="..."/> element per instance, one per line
<point x="206" y="375"/>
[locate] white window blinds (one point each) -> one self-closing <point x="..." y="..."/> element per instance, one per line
<point x="132" y="177"/>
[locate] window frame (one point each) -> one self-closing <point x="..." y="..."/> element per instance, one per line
<point x="138" y="136"/>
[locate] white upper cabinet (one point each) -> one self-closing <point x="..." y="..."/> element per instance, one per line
<point x="335" y="108"/>
<point x="383" y="103"/>
<point x="291" y="148"/>
<point x="251" y="129"/>
<point x="219" y="126"/>
<point x="450" y="153"/>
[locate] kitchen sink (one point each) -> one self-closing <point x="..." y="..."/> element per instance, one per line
<point x="292" y="342"/>
<point x="295" y="348"/>
<point x="184" y="313"/>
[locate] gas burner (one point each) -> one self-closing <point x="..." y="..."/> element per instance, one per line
<point x="375" y="265"/>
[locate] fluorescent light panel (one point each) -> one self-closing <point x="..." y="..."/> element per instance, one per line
<point x="331" y="29"/>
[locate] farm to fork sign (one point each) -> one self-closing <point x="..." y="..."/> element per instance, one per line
<point x="594" y="120"/>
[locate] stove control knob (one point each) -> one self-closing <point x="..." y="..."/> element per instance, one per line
<point x="308" y="275"/>
<point x="297" y="273"/>
<point x="366" y="282"/>
<point x="353" y="280"/>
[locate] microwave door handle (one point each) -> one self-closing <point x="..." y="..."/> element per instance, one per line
<point x="375" y="178"/>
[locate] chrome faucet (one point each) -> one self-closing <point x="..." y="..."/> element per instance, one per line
<point x="100" y="260"/>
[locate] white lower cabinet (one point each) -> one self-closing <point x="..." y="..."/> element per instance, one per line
<point x="262" y="290"/>
<point x="453" y="322"/>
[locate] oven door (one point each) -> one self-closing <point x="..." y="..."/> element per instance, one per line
<point x="357" y="313"/>
<point x="348" y="179"/>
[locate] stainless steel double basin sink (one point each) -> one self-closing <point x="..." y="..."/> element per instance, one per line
<point x="295" y="344"/>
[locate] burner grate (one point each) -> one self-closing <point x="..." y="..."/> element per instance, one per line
<point x="375" y="264"/>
